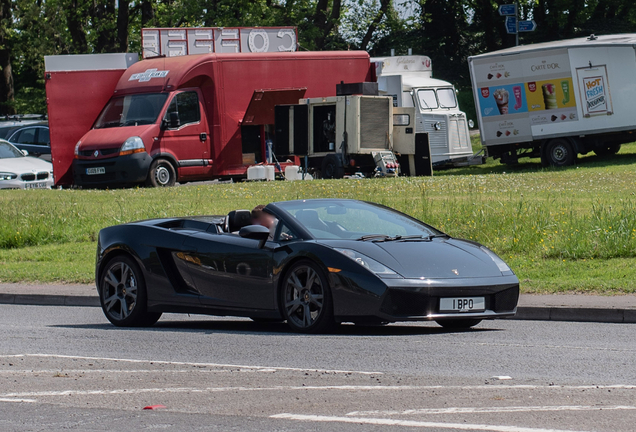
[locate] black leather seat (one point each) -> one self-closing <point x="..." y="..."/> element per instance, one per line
<point x="237" y="219"/>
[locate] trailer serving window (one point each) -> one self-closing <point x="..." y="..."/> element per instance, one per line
<point x="427" y="99"/>
<point x="131" y="110"/>
<point x="446" y="97"/>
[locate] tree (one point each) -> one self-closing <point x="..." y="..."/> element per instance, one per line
<point x="6" y="77"/>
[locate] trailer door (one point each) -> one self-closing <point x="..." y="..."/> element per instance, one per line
<point x="189" y="141"/>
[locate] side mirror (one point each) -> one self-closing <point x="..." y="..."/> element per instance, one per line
<point x="24" y="152"/>
<point x="174" y="120"/>
<point x="255" y="232"/>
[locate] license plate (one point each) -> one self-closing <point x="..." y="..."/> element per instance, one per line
<point x="94" y="171"/>
<point x="37" y="185"/>
<point x="462" y="304"/>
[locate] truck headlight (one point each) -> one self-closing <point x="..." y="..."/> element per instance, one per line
<point x="368" y="263"/>
<point x="132" y="145"/>
<point x="437" y="126"/>
<point x="77" y="148"/>
<point x="7" y="176"/>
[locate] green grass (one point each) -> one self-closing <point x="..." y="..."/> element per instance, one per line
<point x="565" y="230"/>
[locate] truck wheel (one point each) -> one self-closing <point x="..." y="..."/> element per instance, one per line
<point x="558" y="153"/>
<point x="607" y="150"/>
<point x="161" y="174"/>
<point x="332" y="167"/>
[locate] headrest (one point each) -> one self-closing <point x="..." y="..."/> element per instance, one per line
<point x="309" y="218"/>
<point x="237" y="219"/>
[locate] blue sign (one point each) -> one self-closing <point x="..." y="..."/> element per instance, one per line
<point x="509" y="9"/>
<point x="511" y="24"/>
<point x="527" y="26"/>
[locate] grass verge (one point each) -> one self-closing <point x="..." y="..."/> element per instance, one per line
<point x="567" y="230"/>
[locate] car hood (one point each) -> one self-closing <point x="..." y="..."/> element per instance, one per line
<point x="436" y="259"/>
<point x="113" y="137"/>
<point x="23" y="165"/>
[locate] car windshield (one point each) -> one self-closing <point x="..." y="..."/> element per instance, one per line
<point x="7" y="151"/>
<point x="446" y="98"/>
<point x="131" y="110"/>
<point x="331" y="219"/>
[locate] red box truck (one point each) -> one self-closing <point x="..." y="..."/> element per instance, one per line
<point x="119" y="122"/>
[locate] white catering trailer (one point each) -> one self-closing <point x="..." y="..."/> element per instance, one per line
<point x="557" y="99"/>
<point x="409" y="79"/>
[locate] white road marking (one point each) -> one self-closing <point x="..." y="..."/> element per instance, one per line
<point x="479" y="410"/>
<point x="221" y="365"/>
<point x="109" y="371"/>
<point x="411" y="423"/>
<point x="18" y="400"/>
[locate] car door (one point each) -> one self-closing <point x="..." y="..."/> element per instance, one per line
<point x="189" y="142"/>
<point x="231" y="271"/>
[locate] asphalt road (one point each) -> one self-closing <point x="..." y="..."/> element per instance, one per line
<point x="66" y="368"/>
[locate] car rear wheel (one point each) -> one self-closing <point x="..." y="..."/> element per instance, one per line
<point x="306" y="299"/>
<point x="458" y="324"/>
<point x="123" y="295"/>
<point x="161" y="174"/>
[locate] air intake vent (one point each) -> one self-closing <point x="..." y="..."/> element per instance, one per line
<point x="374" y="123"/>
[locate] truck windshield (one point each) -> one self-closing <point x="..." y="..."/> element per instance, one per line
<point x="131" y="110"/>
<point x="446" y="98"/>
<point x="427" y="98"/>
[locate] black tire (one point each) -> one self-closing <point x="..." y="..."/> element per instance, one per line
<point x="458" y="324"/>
<point x="122" y="294"/>
<point x="306" y="299"/>
<point x="332" y="167"/>
<point x="559" y="153"/>
<point x="161" y="174"/>
<point x="607" y="150"/>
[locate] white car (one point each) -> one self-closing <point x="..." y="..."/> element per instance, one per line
<point x="19" y="171"/>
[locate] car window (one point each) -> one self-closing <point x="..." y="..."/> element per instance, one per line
<point x="286" y="233"/>
<point x="446" y="98"/>
<point x="185" y="104"/>
<point x="427" y="98"/>
<point x="44" y="136"/>
<point x="25" y="136"/>
<point x="131" y="110"/>
<point x="7" y="151"/>
<point x="353" y="219"/>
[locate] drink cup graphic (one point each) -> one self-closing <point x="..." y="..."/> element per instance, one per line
<point x="516" y="90"/>
<point x="501" y="97"/>
<point x="549" y="96"/>
<point x="565" y="86"/>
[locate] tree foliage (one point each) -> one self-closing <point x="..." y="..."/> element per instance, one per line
<point x="446" y="30"/>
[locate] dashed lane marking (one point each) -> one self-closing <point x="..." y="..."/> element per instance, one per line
<point x="411" y="423"/>
<point x="480" y="410"/>
<point x="220" y="365"/>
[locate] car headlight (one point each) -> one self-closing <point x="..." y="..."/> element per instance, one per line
<point x="503" y="267"/>
<point x="132" y="145"/>
<point x="368" y="263"/>
<point x="7" y="176"/>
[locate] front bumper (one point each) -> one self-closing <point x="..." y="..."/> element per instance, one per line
<point x="120" y="170"/>
<point x="419" y="300"/>
<point x="23" y="184"/>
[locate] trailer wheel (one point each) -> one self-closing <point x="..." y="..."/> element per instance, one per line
<point x="558" y="153"/>
<point x="161" y="174"/>
<point x="607" y="150"/>
<point x="332" y="167"/>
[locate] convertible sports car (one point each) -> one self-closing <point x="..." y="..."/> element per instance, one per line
<point x="322" y="262"/>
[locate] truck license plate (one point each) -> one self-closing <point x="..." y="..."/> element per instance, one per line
<point x="462" y="304"/>
<point x="94" y="171"/>
<point x="37" y="185"/>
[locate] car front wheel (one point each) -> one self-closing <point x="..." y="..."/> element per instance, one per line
<point x="123" y="295"/>
<point x="161" y="174"/>
<point x="306" y="299"/>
